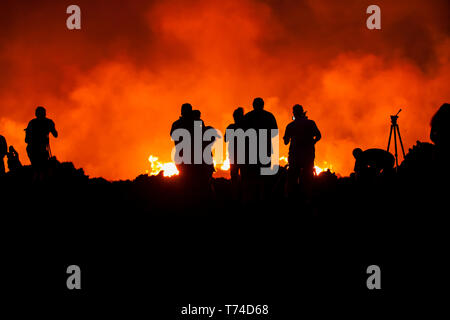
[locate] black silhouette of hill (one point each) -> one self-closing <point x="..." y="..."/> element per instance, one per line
<point x="159" y="226"/>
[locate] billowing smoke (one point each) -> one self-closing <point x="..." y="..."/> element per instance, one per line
<point x="115" y="86"/>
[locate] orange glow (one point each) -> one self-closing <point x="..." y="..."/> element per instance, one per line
<point x="168" y="168"/>
<point x="317" y="170"/>
<point x="114" y="87"/>
<point x="226" y="165"/>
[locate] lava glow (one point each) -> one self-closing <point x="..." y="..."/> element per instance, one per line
<point x="226" y="165"/>
<point x="169" y="169"/>
<point x="115" y="87"/>
<point x="317" y="169"/>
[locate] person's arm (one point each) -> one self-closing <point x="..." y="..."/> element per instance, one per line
<point x="3" y="146"/>
<point x="27" y="133"/>
<point x="317" y="134"/>
<point x="53" y="130"/>
<point x="225" y="138"/>
<point x="274" y="125"/>
<point x="287" y="136"/>
<point x="172" y="129"/>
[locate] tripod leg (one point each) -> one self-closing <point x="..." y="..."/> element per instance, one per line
<point x="395" y="145"/>
<point x="389" y="141"/>
<point x="401" y="143"/>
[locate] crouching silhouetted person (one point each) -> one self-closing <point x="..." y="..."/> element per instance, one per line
<point x="3" y="151"/>
<point x="37" y="138"/>
<point x="13" y="159"/>
<point x="372" y="163"/>
<point x="302" y="134"/>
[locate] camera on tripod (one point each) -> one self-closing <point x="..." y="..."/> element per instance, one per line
<point x="396" y="130"/>
<point x="395" y="117"/>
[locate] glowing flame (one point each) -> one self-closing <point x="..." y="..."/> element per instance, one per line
<point x="326" y="167"/>
<point x="283" y="161"/>
<point x="169" y="169"/>
<point x="226" y="165"/>
<point x="317" y="170"/>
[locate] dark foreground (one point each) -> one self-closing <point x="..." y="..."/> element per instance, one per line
<point x="148" y="247"/>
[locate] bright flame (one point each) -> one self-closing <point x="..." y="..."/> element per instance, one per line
<point x="284" y="160"/>
<point x="326" y="167"/>
<point x="169" y="169"/>
<point x="226" y="165"/>
<point x="318" y="170"/>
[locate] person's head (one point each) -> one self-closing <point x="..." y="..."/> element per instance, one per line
<point x="357" y="152"/>
<point x="298" y="111"/>
<point x="40" y="112"/>
<point x="238" y="114"/>
<point x="258" y="104"/>
<point x="186" y="109"/>
<point x="196" y="115"/>
<point x="440" y="123"/>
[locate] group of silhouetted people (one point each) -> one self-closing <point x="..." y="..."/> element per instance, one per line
<point x="37" y="140"/>
<point x="247" y="179"/>
<point x="246" y="175"/>
<point x="202" y="171"/>
<point x="301" y="134"/>
<point x="245" y="172"/>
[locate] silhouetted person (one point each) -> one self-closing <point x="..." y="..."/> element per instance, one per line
<point x="13" y="159"/>
<point x="37" y="137"/>
<point x="3" y="151"/>
<point x="372" y="163"/>
<point x="184" y="122"/>
<point x="235" y="168"/>
<point x="207" y="166"/>
<point x="256" y="185"/>
<point x="205" y="170"/>
<point x="440" y="133"/>
<point x="302" y="134"/>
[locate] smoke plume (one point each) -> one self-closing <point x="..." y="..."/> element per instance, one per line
<point x="114" y="87"/>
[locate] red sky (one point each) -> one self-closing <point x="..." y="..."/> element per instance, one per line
<point x="115" y="86"/>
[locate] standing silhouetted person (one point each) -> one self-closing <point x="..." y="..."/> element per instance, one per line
<point x="204" y="171"/>
<point x="3" y="151"/>
<point x="37" y="137"/>
<point x="302" y="134"/>
<point x="13" y="159"/>
<point x="186" y="121"/>
<point x="264" y="124"/>
<point x="235" y="168"/>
